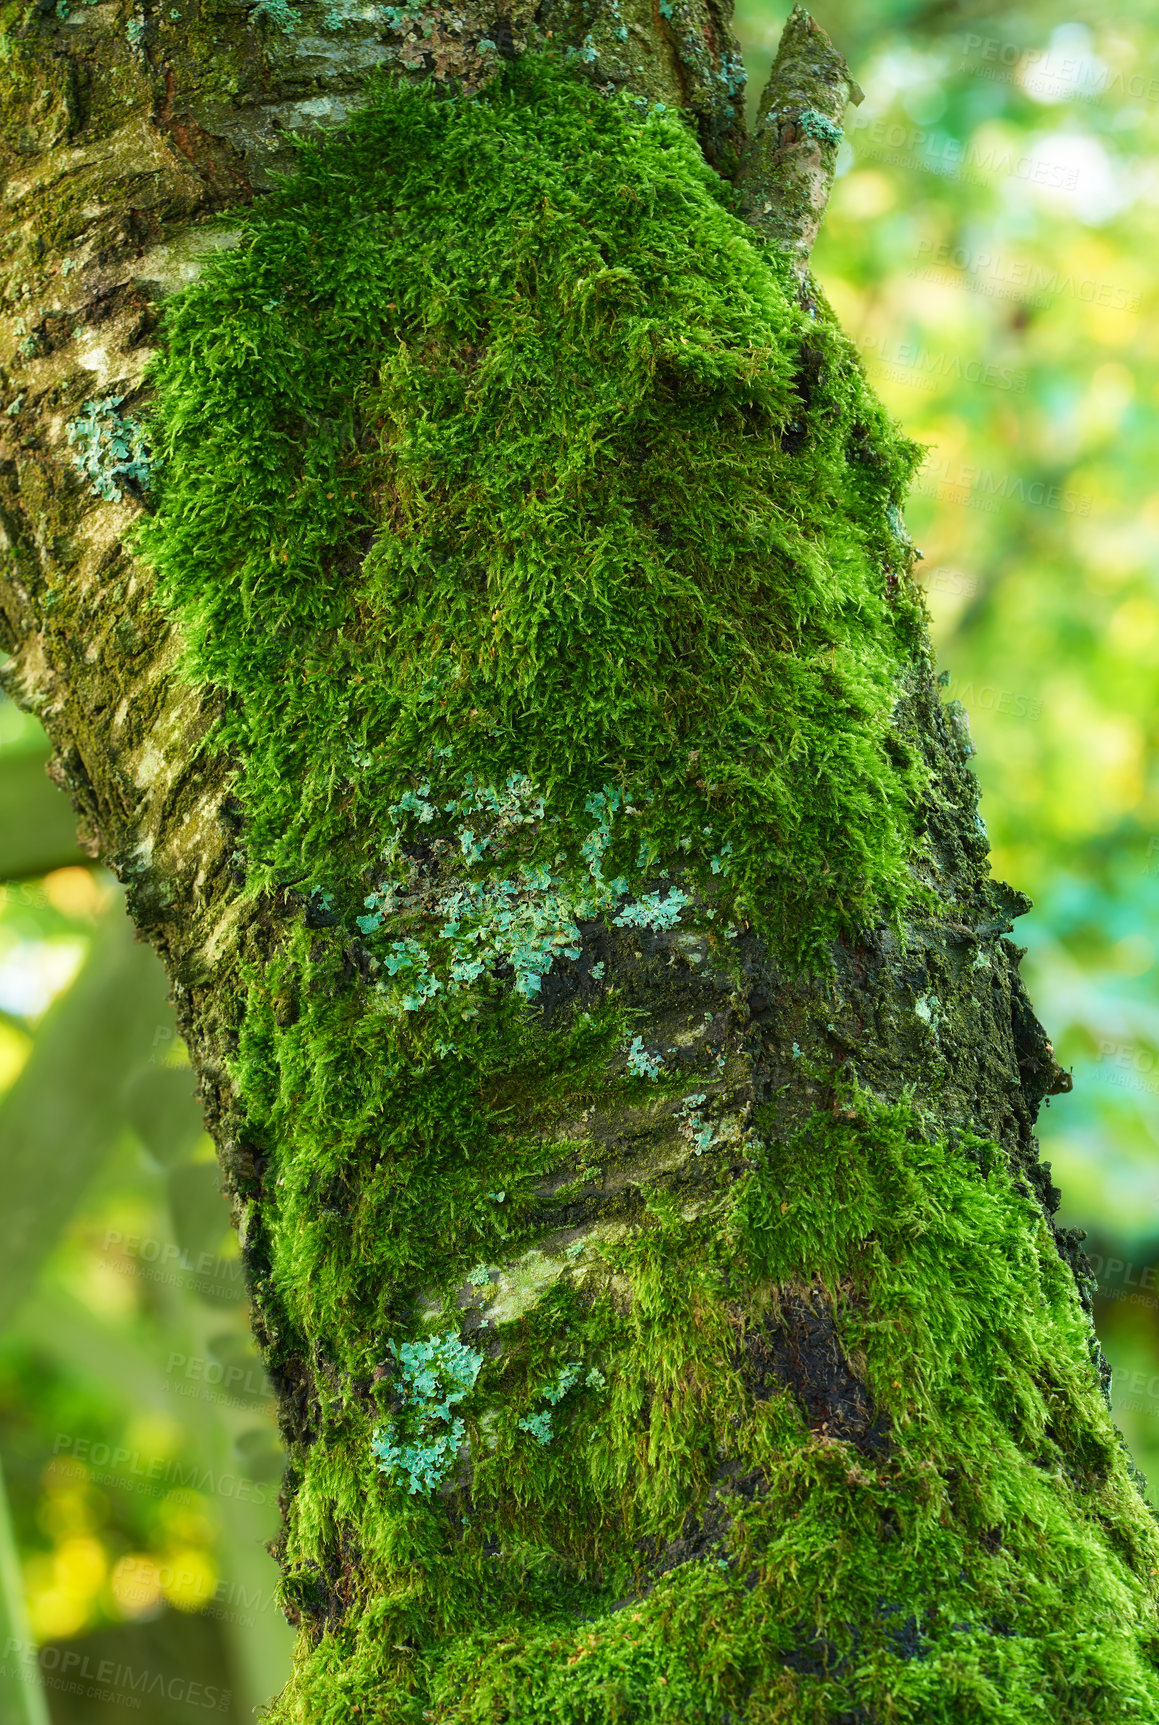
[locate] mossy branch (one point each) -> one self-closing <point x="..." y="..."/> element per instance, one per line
<point x="792" y="157"/>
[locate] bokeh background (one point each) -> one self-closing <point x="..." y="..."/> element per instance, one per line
<point x="991" y="246"/>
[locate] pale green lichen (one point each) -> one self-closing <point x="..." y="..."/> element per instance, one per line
<point x="539" y="1423"/>
<point x="641" y="1062"/>
<point x="523" y="921"/>
<point x="112" y="449"/>
<point x="279" y="13"/>
<point x="422" y="1441"/>
<point x="819" y="126"/>
<point x="701" y="1132"/>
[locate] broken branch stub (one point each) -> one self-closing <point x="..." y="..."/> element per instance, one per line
<point x="792" y="155"/>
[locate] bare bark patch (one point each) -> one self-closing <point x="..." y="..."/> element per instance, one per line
<point x="802" y="1353"/>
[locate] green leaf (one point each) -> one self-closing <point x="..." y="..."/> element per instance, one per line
<point x="199" y="1211"/>
<point x="37" y="823"/>
<point x="21" y="1694"/>
<point x="65" y="1111"/>
<point x="164" y="1113"/>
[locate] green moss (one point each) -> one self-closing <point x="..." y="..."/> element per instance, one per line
<point x="545" y="556"/>
<point x="479" y="464"/>
<point x="986" y="1557"/>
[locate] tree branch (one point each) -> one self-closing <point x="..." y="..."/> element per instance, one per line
<point x="792" y="157"/>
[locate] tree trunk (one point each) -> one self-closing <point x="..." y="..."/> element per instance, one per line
<point x="485" y="645"/>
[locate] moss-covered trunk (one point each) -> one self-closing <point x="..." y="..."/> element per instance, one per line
<point x="486" y="645"/>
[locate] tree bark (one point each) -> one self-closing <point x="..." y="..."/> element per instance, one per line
<point x="662" y="1298"/>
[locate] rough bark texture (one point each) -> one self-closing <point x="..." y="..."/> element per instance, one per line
<point x="727" y="1365"/>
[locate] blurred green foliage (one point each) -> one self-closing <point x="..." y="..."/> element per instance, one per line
<point x="989" y="246"/>
<point x="136" y="1425"/>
